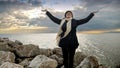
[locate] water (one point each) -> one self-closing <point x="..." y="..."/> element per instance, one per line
<point x="104" y="46"/>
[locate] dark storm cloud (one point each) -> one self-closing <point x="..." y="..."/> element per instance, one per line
<point x="32" y="2"/>
<point x="100" y="2"/>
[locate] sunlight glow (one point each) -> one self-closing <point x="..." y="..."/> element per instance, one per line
<point x="94" y="32"/>
<point x="117" y="30"/>
<point x="34" y="13"/>
<point x="22" y="29"/>
<point x="15" y="27"/>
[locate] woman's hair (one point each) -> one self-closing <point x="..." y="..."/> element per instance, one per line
<point x="67" y="12"/>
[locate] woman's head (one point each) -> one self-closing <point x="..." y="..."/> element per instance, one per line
<point x="68" y="14"/>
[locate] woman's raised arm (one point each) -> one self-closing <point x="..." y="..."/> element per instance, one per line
<point x="54" y="19"/>
<point x="85" y="20"/>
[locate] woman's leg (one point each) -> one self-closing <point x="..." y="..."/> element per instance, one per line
<point x="71" y="57"/>
<point x="65" y="57"/>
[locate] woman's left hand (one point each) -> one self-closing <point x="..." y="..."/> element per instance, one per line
<point x="95" y="11"/>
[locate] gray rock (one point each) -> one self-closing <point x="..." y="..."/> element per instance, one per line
<point x="4" y="47"/>
<point x="18" y="60"/>
<point x="58" y="52"/>
<point x="42" y="61"/>
<point x="89" y="62"/>
<point x="102" y="67"/>
<point x="9" y="46"/>
<point x="29" y="50"/>
<point x="79" y="56"/>
<point x="46" y="52"/>
<point x="6" y="57"/>
<point x="63" y="66"/>
<point x="12" y="44"/>
<point x="58" y="59"/>
<point x="25" y="62"/>
<point x="4" y="39"/>
<point x="10" y="65"/>
<point x="18" y="42"/>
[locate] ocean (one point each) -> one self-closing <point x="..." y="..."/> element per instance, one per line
<point x="106" y="47"/>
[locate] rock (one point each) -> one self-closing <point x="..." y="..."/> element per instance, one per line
<point x="62" y="66"/>
<point x="89" y="62"/>
<point x="78" y="57"/>
<point x="57" y="51"/>
<point x="59" y="60"/>
<point x="10" y="65"/>
<point x="9" y="46"/>
<point x="42" y="61"/>
<point x="18" y="60"/>
<point x="4" y="47"/>
<point x="6" y="57"/>
<point x="25" y="62"/>
<point x="29" y="50"/>
<point x="4" y="39"/>
<point x="102" y="67"/>
<point x="46" y="52"/>
<point x="12" y="44"/>
<point x="18" y="42"/>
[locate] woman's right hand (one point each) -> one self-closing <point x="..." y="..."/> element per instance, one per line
<point x="94" y="12"/>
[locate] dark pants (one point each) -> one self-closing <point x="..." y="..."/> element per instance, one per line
<point x="68" y="56"/>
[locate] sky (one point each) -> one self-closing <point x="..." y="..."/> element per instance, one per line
<point x="25" y="16"/>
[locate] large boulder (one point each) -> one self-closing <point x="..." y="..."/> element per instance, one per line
<point x="89" y="62"/>
<point x="78" y="57"/>
<point x="10" y="65"/>
<point x="42" y="61"/>
<point x="29" y="50"/>
<point x="46" y="52"/>
<point x="6" y="56"/>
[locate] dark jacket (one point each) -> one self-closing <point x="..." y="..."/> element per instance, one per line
<point x="71" y="39"/>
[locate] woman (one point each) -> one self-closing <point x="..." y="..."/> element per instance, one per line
<point x="66" y="37"/>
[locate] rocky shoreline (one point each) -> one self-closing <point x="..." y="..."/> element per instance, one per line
<point x="14" y="54"/>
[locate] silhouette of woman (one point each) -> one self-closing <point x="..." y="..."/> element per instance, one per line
<point x="66" y="37"/>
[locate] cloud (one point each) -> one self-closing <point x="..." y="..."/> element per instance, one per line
<point x="11" y="18"/>
<point x="23" y="17"/>
<point x="18" y="14"/>
<point x="33" y="2"/>
<point x="100" y="2"/>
